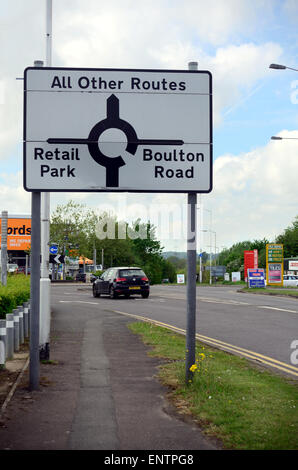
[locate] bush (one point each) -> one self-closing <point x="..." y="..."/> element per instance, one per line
<point x="16" y="292"/>
<point x="98" y="273"/>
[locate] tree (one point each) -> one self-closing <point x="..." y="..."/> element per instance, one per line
<point x="106" y="235"/>
<point x="233" y="258"/>
<point x="147" y="250"/>
<point x="68" y="227"/>
<point x="289" y="239"/>
<point x="79" y="230"/>
<point x="168" y="270"/>
<point x="178" y="263"/>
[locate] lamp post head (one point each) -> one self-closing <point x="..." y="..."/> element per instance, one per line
<point x="275" y="137"/>
<point x="277" y="66"/>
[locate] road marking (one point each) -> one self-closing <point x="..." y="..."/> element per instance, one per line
<point x="277" y="308"/>
<point x="76" y="293"/>
<point x="77" y="302"/>
<point x="222" y="345"/>
<point x="205" y="299"/>
<point x="231" y="302"/>
<point x="222" y="301"/>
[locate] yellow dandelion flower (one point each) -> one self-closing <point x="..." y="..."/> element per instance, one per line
<point x="193" y="368"/>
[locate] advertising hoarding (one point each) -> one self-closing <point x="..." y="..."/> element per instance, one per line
<point x="256" y="277"/>
<point x="293" y="265"/>
<point x="250" y="261"/>
<point x="18" y="233"/>
<point x="236" y="276"/>
<point x="180" y="279"/>
<point x="274" y="264"/>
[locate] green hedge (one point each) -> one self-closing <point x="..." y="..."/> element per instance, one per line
<point x="14" y="293"/>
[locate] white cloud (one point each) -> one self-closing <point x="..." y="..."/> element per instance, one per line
<point x="217" y="22"/>
<point x="155" y="34"/>
<point x="235" y="69"/>
<point x="290" y="7"/>
<point x="12" y="195"/>
<point x="255" y="194"/>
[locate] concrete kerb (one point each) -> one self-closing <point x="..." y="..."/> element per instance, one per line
<point x="14" y="386"/>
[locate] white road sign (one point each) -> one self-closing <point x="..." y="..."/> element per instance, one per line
<point x="117" y="130"/>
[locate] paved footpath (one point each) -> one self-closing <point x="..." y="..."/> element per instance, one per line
<point x="99" y="393"/>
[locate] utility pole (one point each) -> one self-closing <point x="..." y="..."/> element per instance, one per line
<point x="45" y="283"/>
<point x="34" y="367"/>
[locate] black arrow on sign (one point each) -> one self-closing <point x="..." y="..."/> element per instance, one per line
<point x="112" y="121"/>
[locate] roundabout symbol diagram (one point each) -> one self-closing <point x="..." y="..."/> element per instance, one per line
<point x="112" y="121"/>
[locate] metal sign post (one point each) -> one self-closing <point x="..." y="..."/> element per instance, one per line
<point x="191" y="277"/>
<point x="35" y="291"/>
<point x="191" y="287"/>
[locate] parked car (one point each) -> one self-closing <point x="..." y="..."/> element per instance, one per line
<point x="125" y="281"/>
<point x="12" y="268"/>
<point x="290" y="280"/>
<point x="21" y="270"/>
<point x="81" y="277"/>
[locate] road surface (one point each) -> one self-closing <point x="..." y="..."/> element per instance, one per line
<point x="259" y="327"/>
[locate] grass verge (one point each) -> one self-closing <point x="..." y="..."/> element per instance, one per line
<point x="244" y="406"/>
<point x="292" y="292"/>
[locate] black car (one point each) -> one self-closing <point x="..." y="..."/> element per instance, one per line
<point x="122" y="281"/>
<point x="81" y="277"/>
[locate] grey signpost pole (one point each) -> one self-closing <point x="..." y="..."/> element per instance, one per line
<point x="4" y="217"/>
<point x="191" y="276"/>
<point x="191" y="286"/>
<point x="35" y="291"/>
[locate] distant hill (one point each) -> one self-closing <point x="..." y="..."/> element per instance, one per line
<point x="183" y="255"/>
<point x="178" y="254"/>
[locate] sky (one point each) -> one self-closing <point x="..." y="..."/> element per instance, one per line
<point x="255" y="190"/>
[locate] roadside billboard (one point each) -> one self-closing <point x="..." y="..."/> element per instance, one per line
<point x="18" y="233"/>
<point x="293" y="265"/>
<point x="236" y="276"/>
<point x="218" y="271"/>
<point x="250" y="261"/>
<point x="256" y="277"/>
<point x="180" y="279"/>
<point x="274" y="264"/>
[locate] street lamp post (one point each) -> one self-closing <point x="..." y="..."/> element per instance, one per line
<point x="277" y="137"/>
<point x="281" y="67"/>
<point x="210" y="257"/>
<point x="214" y="243"/>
